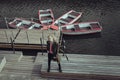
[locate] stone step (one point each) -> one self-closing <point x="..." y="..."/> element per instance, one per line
<point x="2" y="62"/>
<point x="21" y="77"/>
<point x="14" y="77"/>
<point x="12" y="57"/>
<point x="33" y="72"/>
<point x="39" y="58"/>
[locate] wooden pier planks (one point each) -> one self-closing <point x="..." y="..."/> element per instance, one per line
<point x="3" y="36"/>
<point x="27" y="39"/>
<point x="79" y="67"/>
<point x="85" y="66"/>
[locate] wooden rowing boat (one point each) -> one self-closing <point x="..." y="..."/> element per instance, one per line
<point x="68" y="18"/>
<point x="81" y="28"/>
<point x="24" y="24"/>
<point x="46" y="17"/>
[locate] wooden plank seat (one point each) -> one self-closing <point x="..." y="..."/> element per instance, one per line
<point x="64" y="20"/>
<point x="74" y="14"/>
<point x="16" y="22"/>
<point x="60" y="23"/>
<point x="46" y="18"/>
<point x="77" y="27"/>
<point x="95" y="26"/>
<point x="64" y="28"/>
<point x="69" y="19"/>
<point x="47" y="21"/>
<point x="45" y="12"/>
<point x="26" y="25"/>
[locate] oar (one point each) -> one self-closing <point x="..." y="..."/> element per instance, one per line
<point x="16" y="35"/>
<point x="61" y="41"/>
<point x="63" y="47"/>
<point x="41" y="45"/>
<point x="12" y="41"/>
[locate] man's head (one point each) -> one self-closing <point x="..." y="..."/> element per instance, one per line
<point x="50" y="38"/>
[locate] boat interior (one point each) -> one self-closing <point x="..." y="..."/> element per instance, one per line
<point x="82" y="26"/>
<point x="46" y="17"/>
<point x="25" y="24"/>
<point x="67" y="18"/>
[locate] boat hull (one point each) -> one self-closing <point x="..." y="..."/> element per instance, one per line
<point x="80" y="33"/>
<point x="81" y="28"/>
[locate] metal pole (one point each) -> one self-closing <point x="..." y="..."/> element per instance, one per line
<point x="16" y="35"/>
<point x="6" y="23"/>
<point x="6" y="36"/>
<point x="12" y="41"/>
<point x="43" y="36"/>
<point x="12" y="34"/>
<point x="12" y="45"/>
<point x="31" y="19"/>
<point x="41" y="45"/>
<point x="27" y="37"/>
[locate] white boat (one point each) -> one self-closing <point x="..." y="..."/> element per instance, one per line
<point x="24" y="24"/>
<point x="81" y="28"/>
<point x="46" y="17"/>
<point x="68" y="18"/>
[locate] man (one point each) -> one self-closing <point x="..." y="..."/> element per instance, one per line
<point x="52" y="47"/>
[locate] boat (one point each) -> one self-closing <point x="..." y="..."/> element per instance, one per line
<point x="68" y="18"/>
<point x="24" y="24"/>
<point x="81" y="28"/>
<point x="46" y="17"/>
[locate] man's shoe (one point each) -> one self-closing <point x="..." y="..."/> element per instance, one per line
<point x="60" y="70"/>
<point x="48" y="70"/>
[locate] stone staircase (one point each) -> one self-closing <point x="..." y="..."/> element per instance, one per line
<point x="18" y="67"/>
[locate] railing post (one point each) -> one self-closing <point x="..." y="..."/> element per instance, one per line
<point x="6" y="36"/>
<point x="41" y="45"/>
<point x="31" y="19"/>
<point x="43" y="36"/>
<point x="12" y="45"/>
<point x="27" y="37"/>
<point x="6" y="23"/>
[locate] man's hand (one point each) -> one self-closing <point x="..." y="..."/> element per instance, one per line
<point x="54" y="57"/>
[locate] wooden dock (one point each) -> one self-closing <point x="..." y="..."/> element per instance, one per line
<point x="90" y="67"/>
<point x="79" y="67"/>
<point x="26" y="39"/>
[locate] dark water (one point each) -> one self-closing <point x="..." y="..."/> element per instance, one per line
<point x="107" y="12"/>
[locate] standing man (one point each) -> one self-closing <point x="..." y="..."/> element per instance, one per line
<point x="52" y="49"/>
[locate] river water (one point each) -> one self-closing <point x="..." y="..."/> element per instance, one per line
<point x="107" y="12"/>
